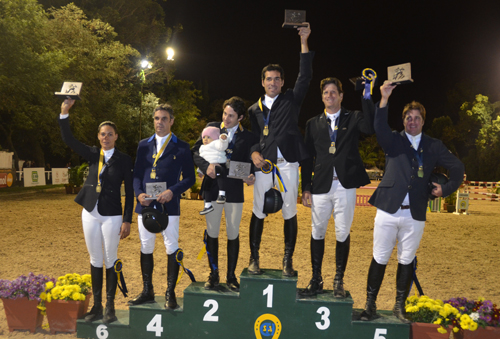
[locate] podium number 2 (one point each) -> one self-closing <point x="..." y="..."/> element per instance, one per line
<point x="325" y="321"/>
<point x="209" y="316"/>
<point x="269" y="292"/>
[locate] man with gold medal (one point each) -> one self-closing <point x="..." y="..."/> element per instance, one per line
<point x="402" y="195"/>
<point x="161" y="159"/>
<point x="332" y="140"/>
<point x="274" y="119"/>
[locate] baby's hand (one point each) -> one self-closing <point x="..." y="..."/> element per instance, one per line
<point x="223" y="136"/>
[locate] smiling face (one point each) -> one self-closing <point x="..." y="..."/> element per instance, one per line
<point x="272" y="83"/>
<point x="413" y="122"/>
<point x="163" y="122"/>
<point x="107" y="137"/>
<point x="332" y="98"/>
<point x="230" y="117"/>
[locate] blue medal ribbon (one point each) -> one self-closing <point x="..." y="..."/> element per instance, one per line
<point x="270" y="167"/>
<point x="369" y="75"/>
<point x="415" y="280"/>
<point x="179" y="255"/>
<point x="209" y="255"/>
<point x="120" y="278"/>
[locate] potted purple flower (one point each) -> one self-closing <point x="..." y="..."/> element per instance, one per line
<point x="483" y="312"/>
<point x="20" y="298"/>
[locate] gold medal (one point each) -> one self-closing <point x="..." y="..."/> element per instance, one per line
<point x="153" y="173"/>
<point x="420" y="172"/>
<point x="332" y="148"/>
<point x="266" y="131"/>
<point x="98" y="188"/>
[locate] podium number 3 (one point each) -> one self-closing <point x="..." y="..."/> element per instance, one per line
<point x="325" y="321"/>
<point x="269" y="292"/>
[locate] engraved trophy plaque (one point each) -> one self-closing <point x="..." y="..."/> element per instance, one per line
<point x="400" y="74"/>
<point x="155" y="188"/>
<point x="239" y="170"/>
<point x="294" y="18"/>
<point x="70" y="90"/>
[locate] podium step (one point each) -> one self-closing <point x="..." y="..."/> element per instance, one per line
<point x="268" y="306"/>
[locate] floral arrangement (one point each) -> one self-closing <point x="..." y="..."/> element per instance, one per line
<point x="426" y="310"/>
<point x="68" y="287"/>
<point x="483" y="312"/>
<point x="31" y="286"/>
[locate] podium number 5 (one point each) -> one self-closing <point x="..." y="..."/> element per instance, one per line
<point x="379" y="332"/>
<point x="269" y="292"/>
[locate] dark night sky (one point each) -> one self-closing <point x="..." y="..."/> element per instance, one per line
<point x="228" y="42"/>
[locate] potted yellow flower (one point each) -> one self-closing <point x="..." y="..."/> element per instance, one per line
<point x="66" y="301"/>
<point x="429" y="315"/>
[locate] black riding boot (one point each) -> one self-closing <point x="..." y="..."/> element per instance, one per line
<point x="95" y="313"/>
<point x="375" y="277"/>
<point x="233" y="249"/>
<point x="213" y="249"/>
<point x="147" y="295"/>
<point x="172" y="274"/>
<point x="290" y="230"/>
<point x="341" y="255"/>
<point x="404" y="277"/>
<point x="111" y="282"/>
<point x="256" y="228"/>
<point x="316" y="284"/>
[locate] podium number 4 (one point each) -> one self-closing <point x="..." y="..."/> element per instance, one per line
<point x="155" y="325"/>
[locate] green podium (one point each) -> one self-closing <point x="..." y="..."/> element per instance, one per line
<point x="267" y="307"/>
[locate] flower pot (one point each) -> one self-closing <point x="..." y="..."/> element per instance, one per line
<point x="22" y="314"/>
<point x="450" y="208"/>
<point x="426" y="331"/>
<point x="77" y="189"/>
<point x="62" y="314"/>
<point x="69" y="189"/>
<point x="194" y="196"/>
<point x="481" y="333"/>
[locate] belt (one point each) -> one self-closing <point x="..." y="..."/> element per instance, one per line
<point x="405" y="207"/>
<point x="280" y="160"/>
<point x="335" y="178"/>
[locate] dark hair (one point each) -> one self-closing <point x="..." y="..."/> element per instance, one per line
<point x="414" y="105"/>
<point x="167" y="108"/>
<point x="273" y="67"/>
<point x="328" y="81"/>
<point x="237" y="104"/>
<point x="108" y="123"/>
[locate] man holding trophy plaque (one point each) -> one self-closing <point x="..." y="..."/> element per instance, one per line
<point x="281" y="147"/>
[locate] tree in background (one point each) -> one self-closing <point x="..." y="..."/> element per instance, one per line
<point x="29" y="71"/>
<point x="482" y="162"/>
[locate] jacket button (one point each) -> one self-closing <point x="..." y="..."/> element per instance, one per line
<point x="409" y="187"/>
<point x="412" y="177"/>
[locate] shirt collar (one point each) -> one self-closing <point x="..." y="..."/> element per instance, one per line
<point x="414" y="140"/>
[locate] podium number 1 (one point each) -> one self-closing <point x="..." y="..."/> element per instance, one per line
<point x="269" y="292"/>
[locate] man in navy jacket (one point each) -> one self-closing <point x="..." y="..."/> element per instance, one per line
<point x="161" y="158"/>
<point x="274" y="121"/>
<point x="402" y="195"/>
